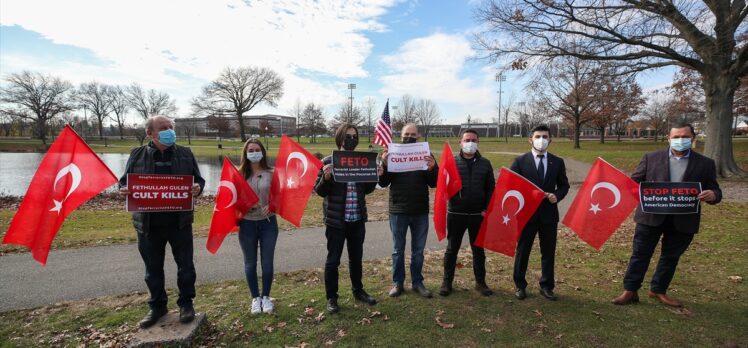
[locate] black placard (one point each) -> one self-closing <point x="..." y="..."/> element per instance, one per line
<point x="354" y="166"/>
<point x="669" y="197"/>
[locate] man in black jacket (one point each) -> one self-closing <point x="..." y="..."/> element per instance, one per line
<point x="466" y="210"/>
<point x="678" y="163"/>
<point x="163" y="156"/>
<point x="409" y="207"/>
<point x="344" y="209"/>
<point x="548" y="172"/>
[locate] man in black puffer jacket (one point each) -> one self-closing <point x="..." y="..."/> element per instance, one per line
<point x="344" y="209"/>
<point x="466" y="211"/>
<point x="409" y="207"/>
<point x="163" y="156"/>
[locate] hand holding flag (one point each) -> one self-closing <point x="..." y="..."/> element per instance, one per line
<point x="448" y="184"/>
<point x="293" y="180"/>
<point x="234" y="198"/>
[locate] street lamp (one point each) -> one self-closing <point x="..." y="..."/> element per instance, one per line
<point x="500" y="78"/>
<point x="266" y="138"/>
<point x="351" y="86"/>
<point x="468" y="121"/>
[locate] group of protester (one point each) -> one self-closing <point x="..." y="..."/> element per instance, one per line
<point x="345" y="214"/>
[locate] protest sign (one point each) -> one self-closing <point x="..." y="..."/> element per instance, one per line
<point x="407" y="157"/>
<point x="669" y="197"/>
<point x="354" y="166"/>
<point x="159" y="193"/>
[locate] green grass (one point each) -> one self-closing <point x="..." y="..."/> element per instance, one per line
<point x="716" y="313"/>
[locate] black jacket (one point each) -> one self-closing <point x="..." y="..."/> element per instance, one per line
<point x="409" y="191"/>
<point x="183" y="162"/>
<point x="555" y="182"/>
<point x="478" y="183"/>
<point x="333" y="205"/>
<point x="655" y="167"/>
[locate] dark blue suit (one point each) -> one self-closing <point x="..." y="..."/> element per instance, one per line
<point x="544" y="222"/>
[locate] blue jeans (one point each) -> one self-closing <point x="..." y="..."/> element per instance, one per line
<point x="419" y="228"/>
<point x="265" y="233"/>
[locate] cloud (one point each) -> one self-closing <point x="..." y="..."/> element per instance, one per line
<point x="145" y="40"/>
<point x="434" y="67"/>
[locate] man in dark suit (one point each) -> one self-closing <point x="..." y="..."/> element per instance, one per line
<point x="675" y="164"/>
<point x="549" y="173"/>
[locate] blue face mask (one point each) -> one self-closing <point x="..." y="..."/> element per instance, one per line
<point x="167" y="137"/>
<point x="680" y="144"/>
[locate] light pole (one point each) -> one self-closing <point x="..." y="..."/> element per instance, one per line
<point x="266" y="138"/>
<point x="351" y="86"/>
<point x="85" y="118"/>
<point x="468" y="121"/>
<point x="500" y="78"/>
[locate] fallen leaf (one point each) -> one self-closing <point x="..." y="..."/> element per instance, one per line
<point x="735" y="279"/>
<point x="282" y="324"/>
<point x="341" y="333"/>
<point x="538" y="313"/>
<point x="485" y="329"/>
<point x="309" y="311"/>
<point x="558" y="337"/>
<point x="364" y="321"/>
<point x="320" y="317"/>
<point x="385" y="318"/>
<point x="329" y="343"/>
<point x="269" y="328"/>
<point x="443" y="324"/>
<point x="375" y="314"/>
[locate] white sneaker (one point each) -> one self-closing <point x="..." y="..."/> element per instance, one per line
<point x="256" y="305"/>
<point x="267" y="305"/>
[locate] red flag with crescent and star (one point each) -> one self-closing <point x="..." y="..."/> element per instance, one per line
<point x="606" y="198"/>
<point x="514" y="201"/>
<point x="293" y="180"/>
<point x="70" y="174"/>
<point x="234" y="198"/>
<point x="448" y="184"/>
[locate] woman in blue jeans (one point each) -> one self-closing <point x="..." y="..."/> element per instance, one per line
<point x="259" y="226"/>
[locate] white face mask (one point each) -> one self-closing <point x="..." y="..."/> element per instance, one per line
<point x="254" y="156"/>
<point x="540" y="144"/>
<point x="469" y="147"/>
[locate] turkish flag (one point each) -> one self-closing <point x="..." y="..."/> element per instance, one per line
<point x="448" y="184"/>
<point x="69" y="175"/>
<point x="606" y="198"/>
<point x="293" y="180"/>
<point x="234" y="198"/>
<point x="514" y="201"/>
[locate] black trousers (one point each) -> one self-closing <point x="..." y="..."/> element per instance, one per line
<point x="674" y="244"/>
<point x="547" y="234"/>
<point x="152" y="247"/>
<point x="456" y="226"/>
<point x="353" y="233"/>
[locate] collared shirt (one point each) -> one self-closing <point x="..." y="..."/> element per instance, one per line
<point x="678" y="166"/>
<point x="537" y="159"/>
<point x="352" y="212"/>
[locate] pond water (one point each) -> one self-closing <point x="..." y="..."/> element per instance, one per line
<point x="17" y="169"/>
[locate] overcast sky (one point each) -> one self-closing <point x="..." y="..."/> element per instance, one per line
<point x="386" y="47"/>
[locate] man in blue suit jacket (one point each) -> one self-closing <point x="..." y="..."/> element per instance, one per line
<point x="549" y="173"/>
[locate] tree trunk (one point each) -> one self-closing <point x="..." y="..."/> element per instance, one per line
<point x="121" y="136"/>
<point x="719" y="90"/>
<point x="602" y="135"/>
<point x="241" y="126"/>
<point x="41" y="129"/>
<point x="577" y="131"/>
<point x="101" y="130"/>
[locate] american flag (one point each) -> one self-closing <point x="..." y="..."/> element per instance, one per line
<point x="383" y="132"/>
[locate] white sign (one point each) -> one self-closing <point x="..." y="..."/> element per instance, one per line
<point x="407" y="157"/>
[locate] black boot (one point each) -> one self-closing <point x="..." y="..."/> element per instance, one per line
<point x="152" y="317"/>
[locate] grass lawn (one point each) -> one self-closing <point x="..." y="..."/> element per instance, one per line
<point x="716" y="313"/>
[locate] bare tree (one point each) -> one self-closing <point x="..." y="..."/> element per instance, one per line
<point x="238" y="90"/>
<point x="657" y="113"/>
<point x="120" y="107"/>
<point x="637" y="35"/>
<point x="618" y="97"/>
<point x="406" y="111"/>
<point x="97" y="98"/>
<point x="427" y="115"/>
<point x="369" y="110"/>
<point x="569" y="84"/>
<point x="151" y="102"/>
<point x="37" y="98"/>
<point x="313" y="121"/>
<point x="296" y="110"/>
<point x="344" y="115"/>
<point x="220" y="124"/>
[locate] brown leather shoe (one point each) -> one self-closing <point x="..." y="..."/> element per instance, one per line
<point x="626" y="298"/>
<point x="665" y="300"/>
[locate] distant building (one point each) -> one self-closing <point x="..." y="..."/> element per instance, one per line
<point x="228" y="126"/>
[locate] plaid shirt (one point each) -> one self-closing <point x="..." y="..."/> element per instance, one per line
<point x="352" y="213"/>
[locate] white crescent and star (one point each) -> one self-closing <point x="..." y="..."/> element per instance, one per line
<point x="520" y="198"/>
<point x="299" y="156"/>
<point x="75" y="173"/>
<point x="229" y="185"/>
<point x="595" y="207"/>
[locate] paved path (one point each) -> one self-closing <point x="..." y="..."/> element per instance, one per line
<point x="75" y="274"/>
